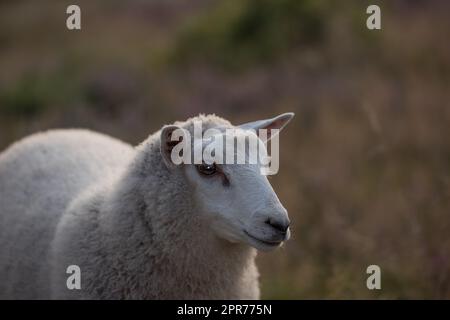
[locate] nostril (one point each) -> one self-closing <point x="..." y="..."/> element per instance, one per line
<point x="279" y="225"/>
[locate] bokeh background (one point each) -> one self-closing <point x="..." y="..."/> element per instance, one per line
<point x="365" y="165"/>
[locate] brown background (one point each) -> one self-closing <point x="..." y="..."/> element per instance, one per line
<point x="365" y="163"/>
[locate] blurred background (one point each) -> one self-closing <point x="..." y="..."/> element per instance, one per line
<point x="365" y="165"/>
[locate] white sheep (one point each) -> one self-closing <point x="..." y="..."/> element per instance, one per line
<point x="136" y="225"/>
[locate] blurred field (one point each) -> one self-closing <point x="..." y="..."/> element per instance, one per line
<point x="365" y="165"/>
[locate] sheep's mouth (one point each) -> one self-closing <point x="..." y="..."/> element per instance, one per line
<point x="265" y="242"/>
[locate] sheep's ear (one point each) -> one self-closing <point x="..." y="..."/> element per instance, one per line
<point x="167" y="144"/>
<point x="279" y="122"/>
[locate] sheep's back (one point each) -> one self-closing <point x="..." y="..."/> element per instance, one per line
<point x="39" y="176"/>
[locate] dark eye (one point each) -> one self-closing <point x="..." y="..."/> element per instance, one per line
<point x="207" y="169"/>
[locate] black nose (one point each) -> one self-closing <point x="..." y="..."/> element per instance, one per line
<point x="279" y="224"/>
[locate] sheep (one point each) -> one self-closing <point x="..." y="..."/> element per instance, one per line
<point x="137" y="226"/>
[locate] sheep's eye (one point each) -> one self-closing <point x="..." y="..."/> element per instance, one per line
<point x="207" y="169"/>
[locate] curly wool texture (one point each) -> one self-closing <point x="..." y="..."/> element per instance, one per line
<point x="75" y="197"/>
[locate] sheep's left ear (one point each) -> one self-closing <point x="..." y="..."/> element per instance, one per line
<point x="279" y="122"/>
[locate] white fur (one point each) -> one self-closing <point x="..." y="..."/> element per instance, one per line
<point x="137" y="228"/>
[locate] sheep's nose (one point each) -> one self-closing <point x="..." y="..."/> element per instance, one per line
<point x="280" y="224"/>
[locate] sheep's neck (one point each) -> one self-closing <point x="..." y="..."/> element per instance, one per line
<point x="201" y="264"/>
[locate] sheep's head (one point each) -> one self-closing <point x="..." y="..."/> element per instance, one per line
<point x="228" y="180"/>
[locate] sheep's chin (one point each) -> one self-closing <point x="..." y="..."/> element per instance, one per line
<point x="247" y="240"/>
<point x="260" y="244"/>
